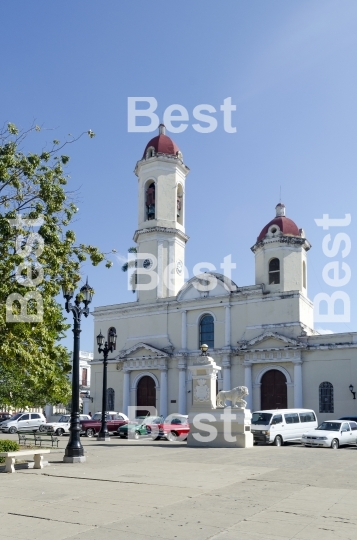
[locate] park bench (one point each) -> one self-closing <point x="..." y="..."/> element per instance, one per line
<point x="26" y="437"/>
<point x="10" y="458"/>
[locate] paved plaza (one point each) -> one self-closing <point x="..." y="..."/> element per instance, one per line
<point x="137" y="490"/>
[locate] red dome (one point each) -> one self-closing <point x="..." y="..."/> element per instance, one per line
<point x="162" y="144"/>
<point x="286" y="225"/>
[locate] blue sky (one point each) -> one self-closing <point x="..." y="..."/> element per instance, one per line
<point x="290" y="69"/>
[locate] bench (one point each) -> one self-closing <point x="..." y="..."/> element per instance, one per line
<point x="10" y="458"/>
<point x="31" y="436"/>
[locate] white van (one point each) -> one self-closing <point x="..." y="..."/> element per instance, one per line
<point x="280" y="425"/>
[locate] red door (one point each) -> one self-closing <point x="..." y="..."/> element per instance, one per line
<point x="145" y="395"/>
<point x="274" y="390"/>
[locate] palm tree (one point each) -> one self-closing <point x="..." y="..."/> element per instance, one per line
<point x="129" y="265"/>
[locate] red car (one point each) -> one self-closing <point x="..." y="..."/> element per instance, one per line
<point x="174" y="428"/>
<point x="114" y="421"/>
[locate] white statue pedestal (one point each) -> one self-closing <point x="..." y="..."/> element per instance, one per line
<point x="231" y="428"/>
<point x="226" y="427"/>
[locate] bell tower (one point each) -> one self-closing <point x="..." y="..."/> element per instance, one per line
<point x="280" y="255"/>
<point x="160" y="236"/>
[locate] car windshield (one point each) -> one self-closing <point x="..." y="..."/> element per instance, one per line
<point x="64" y="419"/>
<point x="153" y="420"/>
<point x="260" y="418"/>
<point x="329" y="426"/>
<point x="176" y="419"/>
<point x="97" y="416"/>
<point x="16" y="416"/>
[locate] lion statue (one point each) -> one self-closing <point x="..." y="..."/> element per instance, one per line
<point x="235" y="395"/>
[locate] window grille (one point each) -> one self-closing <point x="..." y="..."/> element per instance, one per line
<point x="326" y="397"/>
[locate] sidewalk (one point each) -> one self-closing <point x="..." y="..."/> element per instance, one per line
<point x="137" y="490"/>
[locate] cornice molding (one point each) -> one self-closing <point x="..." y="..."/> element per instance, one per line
<point x="292" y="240"/>
<point x="167" y="230"/>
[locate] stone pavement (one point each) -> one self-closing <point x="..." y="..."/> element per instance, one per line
<point x="138" y="490"/>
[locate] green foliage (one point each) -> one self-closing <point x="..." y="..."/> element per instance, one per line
<point x="8" y="446"/>
<point x="33" y="366"/>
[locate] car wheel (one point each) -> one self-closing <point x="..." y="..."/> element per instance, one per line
<point x="42" y="427"/>
<point x="335" y="444"/>
<point x="122" y="436"/>
<point x="136" y="435"/>
<point x="172" y="436"/>
<point x="154" y="438"/>
<point x="278" y="441"/>
<point x="90" y="432"/>
<point x="59" y="432"/>
<point x="12" y="429"/>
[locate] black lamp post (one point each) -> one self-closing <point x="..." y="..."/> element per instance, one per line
<point x="112" y="337"/>
<point x="74" y="451"/>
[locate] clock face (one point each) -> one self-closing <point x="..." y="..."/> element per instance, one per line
<point x="179" y="267"/>
<point x="147" y="264"/>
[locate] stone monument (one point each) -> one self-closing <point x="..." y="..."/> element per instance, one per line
<point x="211" y="422"/>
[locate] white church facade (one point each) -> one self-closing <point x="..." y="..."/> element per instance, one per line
<point x="261" y="335"/>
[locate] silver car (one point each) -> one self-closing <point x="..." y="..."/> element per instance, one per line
<point x="23" y="422"/>
<point x="331" y="434"/>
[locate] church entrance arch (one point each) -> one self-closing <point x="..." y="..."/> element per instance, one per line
<point x="145" y="395"/>
<point x="273" y="390"/>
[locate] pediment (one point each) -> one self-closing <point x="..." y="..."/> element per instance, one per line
<point x="269" y="340"/>
<point x="143" y="350"/>
<point x="207" y="284"/>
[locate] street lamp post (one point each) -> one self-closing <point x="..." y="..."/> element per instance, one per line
<point x="74" y="451"/>
<point x="104" y="433"/>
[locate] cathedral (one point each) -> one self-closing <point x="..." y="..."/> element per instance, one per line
<point x="261" y="335"/>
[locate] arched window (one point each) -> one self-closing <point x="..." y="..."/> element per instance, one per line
<point x="110" y="399"/>
<point x="304" y="274"/>
<point x="326" y="397"/>
<point x="150" y="152"/>
<point x="150" y="201"/>
<point x="207" y="331"/>
<point x="112" y="329"/>
<point x="179" y="204"/>
<point x="274" y="272"/>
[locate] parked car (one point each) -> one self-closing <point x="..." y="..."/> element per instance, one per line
<point x="331" y="434"/>
<point x="143" y="425"/>
<point x="23" y="422"/>
<point x="353" y="418"/>
<point x="114" y="421"/>
<point x="63" y="424"/>
<point x="4" y="416"/>
<point x="174" y="428"/>
<point x="280" y="425"/>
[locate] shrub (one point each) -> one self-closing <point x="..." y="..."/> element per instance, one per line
<point x="8" y="446"/>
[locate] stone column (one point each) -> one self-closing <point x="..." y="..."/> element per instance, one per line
<point x="184" y="330"/>
<point x="297" y="384"/>
<point x="160" y="269"/>
<point x="163" y="392"/>
<point x="126" y="392"/>
<point x="182" y="401"/>
<point x="86" y="405"/>
<point x="248" y="383"/>
<point x="227" y="327"/>
<point x="226" y="365"/>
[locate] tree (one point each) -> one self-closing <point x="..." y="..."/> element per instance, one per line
<point x="130" y="265"/>
<point x="36" y="257"/>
